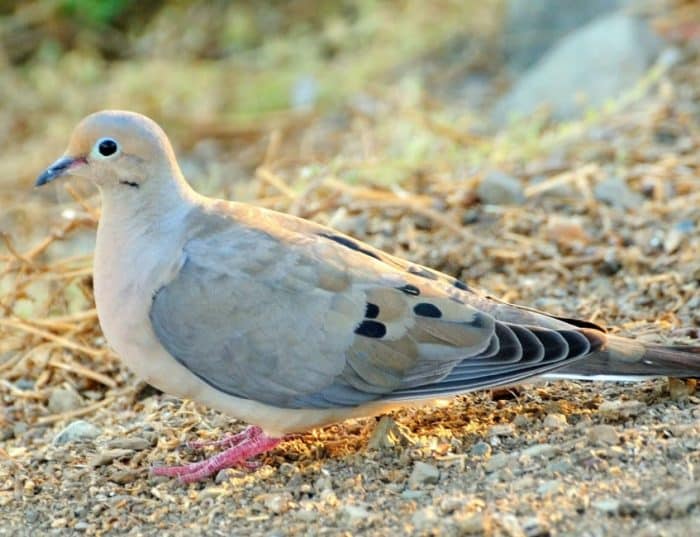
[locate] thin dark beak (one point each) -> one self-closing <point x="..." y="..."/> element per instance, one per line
<point x="56" y="170"/>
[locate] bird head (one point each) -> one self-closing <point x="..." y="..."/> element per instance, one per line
<point x="114" y="149"/>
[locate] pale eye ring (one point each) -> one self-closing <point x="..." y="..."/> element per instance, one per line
<point x="107" y="147"/>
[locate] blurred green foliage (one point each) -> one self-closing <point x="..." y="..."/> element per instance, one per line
<point x="269" y="53"/>
<point x="96" y="12"/>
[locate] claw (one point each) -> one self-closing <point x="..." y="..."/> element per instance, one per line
<point x="242" y="447"/>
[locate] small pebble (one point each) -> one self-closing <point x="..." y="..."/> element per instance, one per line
<point x="533" y="527"/>
<point x="423" y="474"/>
<point x="425" y="519"/>
<point x="409" y="494"/>
<point x="389" y="434"/>
<point x="108" y="455"/>
<point x="524" y="483"/>
<point x="561" y="466"/>
<point x="124" y="476"/>
<point x="226" y="475"/>
<point x="555" y="420"/>
<point x="306" y="515"/>
<point x="521" y="420"/>
<point x="480" y="449"/>
<point x="19" y="428"/>
<point x="608" y="505"/>
<point x="277" y="503"/>
<point x="677" y="504"/>
<point x="567" y="232"/>
<point x="550" y="487"/>
<point x="498" y="188"/>
<point x="621" y="409"/>
<point x="287" y="469"/>
<point x="81" y="525"/>
<point x="25" y="384"/>
<point x="29" y="487"/>
<point x="64" y="400"/>
<point x="470" y="524"/>
<point x="673" y="240"/>
<point x="496" y="462"/>
<point x="328" y="496"/>
<point x="614" y="191"/>
<point x="502" y="429"/>
<point x="510" y="524"/>
<point x="603" y="434"/>
<point x="77" y="430"/>
<point x="324" y="482"/>
<point x="135" y="443"/>
<point x="60" y="522"/>
<point x="684" y="501"/>
<point x="354" y="514"/>
<point x="450" y="504"/>
<point x="544" y="451"/>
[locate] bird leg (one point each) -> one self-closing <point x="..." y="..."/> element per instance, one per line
<point x="228" y="441"/>
<point x="249" y="443"/>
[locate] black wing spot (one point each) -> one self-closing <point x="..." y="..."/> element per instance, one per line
<point x="460" y="285"/>
<point x="425" y="309"/>
<point x="349" y="243"/>
<point x="372" y="329"/>
<point x="371" y="311"/>
<point x="409" y="289"/>
<point x="423" y="273"/>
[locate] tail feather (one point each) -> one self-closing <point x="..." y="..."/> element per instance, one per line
<point x="627" y="358"/>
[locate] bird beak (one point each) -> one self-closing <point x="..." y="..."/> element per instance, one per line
<point x="57" y="169"/>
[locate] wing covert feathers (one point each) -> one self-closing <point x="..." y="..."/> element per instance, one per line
<point x="292" y="314"/>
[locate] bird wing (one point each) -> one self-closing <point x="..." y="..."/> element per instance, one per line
<point x="287" y="312"/>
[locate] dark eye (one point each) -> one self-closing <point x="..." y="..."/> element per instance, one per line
<point x="107" y="147"/>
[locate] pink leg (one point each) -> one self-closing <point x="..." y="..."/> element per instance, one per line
<point x="255" y="443"/>
<point x="228" y="440"/>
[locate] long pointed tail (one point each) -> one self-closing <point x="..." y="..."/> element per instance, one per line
<point x="628" y="359"/>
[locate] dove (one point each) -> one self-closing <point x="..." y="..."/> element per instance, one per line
<point x="289" y="325"/>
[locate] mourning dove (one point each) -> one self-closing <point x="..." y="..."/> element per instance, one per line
<point x="289" y="325"/>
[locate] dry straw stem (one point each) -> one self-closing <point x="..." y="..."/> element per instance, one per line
<point x="40" y="337"/>
<point x="84" y="411"/>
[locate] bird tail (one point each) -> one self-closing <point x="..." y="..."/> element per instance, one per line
<point x="629" y="359"/>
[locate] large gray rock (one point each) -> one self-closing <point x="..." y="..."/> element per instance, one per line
<point x="594" y="64"/>
<point x="533" y="26"/>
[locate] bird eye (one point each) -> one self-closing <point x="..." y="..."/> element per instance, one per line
<point x="107" y="147"/>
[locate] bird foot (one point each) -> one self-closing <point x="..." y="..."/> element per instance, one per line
<point x="228" y="441"/>
<point x="239" y="448"/>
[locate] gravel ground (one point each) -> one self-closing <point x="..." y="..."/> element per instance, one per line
<point x="558" y="459"/>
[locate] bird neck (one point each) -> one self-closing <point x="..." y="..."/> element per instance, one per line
<point x="156" y="201"/>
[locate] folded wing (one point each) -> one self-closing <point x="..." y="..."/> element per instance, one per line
<point x="291" y="314"/>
